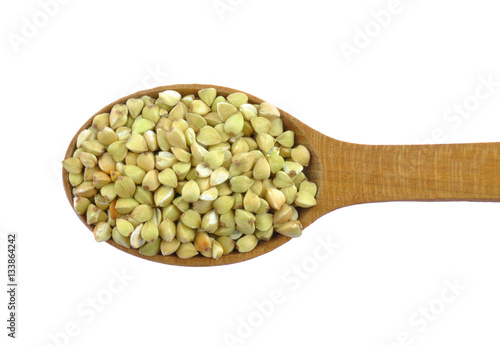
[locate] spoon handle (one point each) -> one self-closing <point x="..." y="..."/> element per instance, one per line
<point x="355" y="173"/>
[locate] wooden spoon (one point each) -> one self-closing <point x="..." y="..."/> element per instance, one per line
<point x="348" y="174"/>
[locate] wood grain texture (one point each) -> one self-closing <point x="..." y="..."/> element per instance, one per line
<point x="348" y="174"/>
<point x="355" y="174"/>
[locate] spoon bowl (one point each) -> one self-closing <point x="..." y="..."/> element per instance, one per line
<point x="347" y="174"/>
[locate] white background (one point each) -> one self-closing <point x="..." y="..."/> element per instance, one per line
<point x="391" y="259"/>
